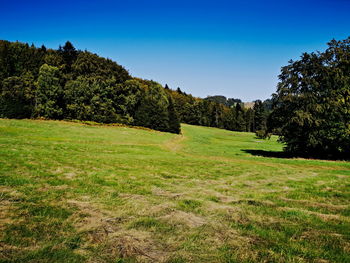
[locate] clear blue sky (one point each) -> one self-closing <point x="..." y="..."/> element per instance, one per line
<point x="232" y="48"/>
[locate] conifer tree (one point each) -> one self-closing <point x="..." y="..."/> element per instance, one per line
<point x="174" y="123"/>
<point x="259" y="116"/>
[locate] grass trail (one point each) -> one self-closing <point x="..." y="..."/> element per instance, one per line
<point x="79" y="193"/>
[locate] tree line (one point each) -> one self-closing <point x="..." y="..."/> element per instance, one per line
<point x="72" y="84"/>
<point x="310" y="110"/>
<point x="220" y="112"/>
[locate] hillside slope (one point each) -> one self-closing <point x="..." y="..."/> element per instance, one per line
<point x="77" y="193"/>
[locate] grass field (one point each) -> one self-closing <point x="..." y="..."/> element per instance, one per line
<point x="77" y="193"/>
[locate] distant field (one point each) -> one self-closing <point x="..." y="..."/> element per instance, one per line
<point x="77" y="193"/>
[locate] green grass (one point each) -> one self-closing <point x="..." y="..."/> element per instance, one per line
<point x="81" y="193"/>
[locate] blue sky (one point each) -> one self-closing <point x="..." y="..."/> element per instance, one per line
<point x="232" y="48"/>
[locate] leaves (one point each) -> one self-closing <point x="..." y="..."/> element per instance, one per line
<point x="71" y="84"/>
<point x="311" y="106"/>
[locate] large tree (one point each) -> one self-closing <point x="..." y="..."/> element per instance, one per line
<point x="49" y="93"/>
<point x="17" y="96"/>
<point x="312" y="103"/>
<point x="69" y="54"/>
<point x="259" y="116"/>
<point x="153" y="109"/>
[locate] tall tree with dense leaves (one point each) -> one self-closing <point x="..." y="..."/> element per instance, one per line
<point x="174" y="123"/>
<point x="49" y="93"/>
<point x="312" y="103"/>
<point x="17" y="95"/>
<point x="69" y="53"/>
<point x="88" y="64"/>
<point x="250" y="123"/>
<point x="240" y="123"/>
<point x="259" y="116"/>
<point x="153" y="109"/>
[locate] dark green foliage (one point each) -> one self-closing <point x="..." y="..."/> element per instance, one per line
<point x="49" y="93"/>
<point x="174" y="123"/>
<point x="263" y="134"/>
<point x="215" y="111"/>
<point x="250" y="121"/>
<point x="240" y="124"/>
<point x="153" y="109"/>
<point x="71" y="84"/>
<point x="17" y="58"/>
<point x="259" y="116"/>
<point x="268" y="104"/>
<point x="17" y="96"/>
<point x="102" y="100"/>
<point x="312" y="103"/>
<point x="128" y="98"/>
<point x="69" y="55"/>
<point x="88" y="64"/>
<point x="90" y="98"/>
<point x="217" y="98"/>
<point x="52" y="58"/>
<point x="230" y="102"/>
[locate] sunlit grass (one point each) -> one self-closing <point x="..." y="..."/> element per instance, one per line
<point x="80" y="193"/>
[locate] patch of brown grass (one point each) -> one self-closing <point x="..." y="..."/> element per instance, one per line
<point x="185" y="218"/>
<point x="8" y="198"/>
<point x="330" y="207"/>
<point x="108" y="232"/>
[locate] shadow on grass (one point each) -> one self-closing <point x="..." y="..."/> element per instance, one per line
<point x="272" y="154"/>
<point x="280" y="154"/>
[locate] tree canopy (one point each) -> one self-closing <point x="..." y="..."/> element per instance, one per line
<point x="73" y="84"/>
<point x="311" y="108"/>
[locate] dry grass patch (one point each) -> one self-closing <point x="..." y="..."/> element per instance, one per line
<point x="324" y="217"/>
<point x="185" y="218"/>
<point x="8" y="199"/>
<point x="310" y="203"/>
<point x="108" y="233"/>
<point x="164" y="193"/>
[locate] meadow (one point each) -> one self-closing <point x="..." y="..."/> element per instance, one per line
<point x="72" y="192"/>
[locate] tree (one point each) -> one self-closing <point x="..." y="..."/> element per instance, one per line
<point x="259" y="116"/>
<point x="101" y="100"/>
<point x="232" y="102"/>
<point x="52" y="58"/>
<point x="240" y="124"/>
<point x="5" y="59"/>
<point x="218" y="99"/>
<point x="17" y="96"/>
<point x="49" y="94"/>
<point x="249" y="117"/>
<point x="311" y="107"/>
<point x="69" y="55"/>
<point x="88" y="64"/>
<point x="174" y="123"/>
<point x="68" y="83"/>
<point x="153" y="109"/>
